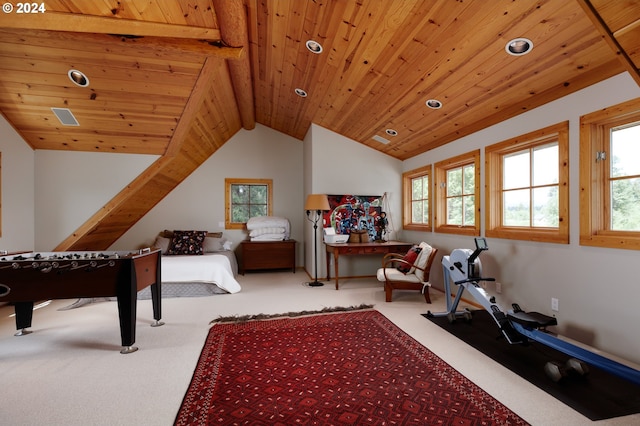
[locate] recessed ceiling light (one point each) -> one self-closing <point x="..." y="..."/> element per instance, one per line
<point x="314" y="46"/>
<point x="518" y="46"/>
<point x="434" y="104"/>
<point x="78" y="78"/>
<point x="391" y="132"/>
<point x="301" y="93"/>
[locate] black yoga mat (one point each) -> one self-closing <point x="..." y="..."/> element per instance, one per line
<point x="598" y="395"/>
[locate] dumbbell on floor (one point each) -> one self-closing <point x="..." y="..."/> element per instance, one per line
<point x="557" y="371"/>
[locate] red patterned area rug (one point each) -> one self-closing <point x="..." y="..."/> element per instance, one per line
<point x="348" y="368"/>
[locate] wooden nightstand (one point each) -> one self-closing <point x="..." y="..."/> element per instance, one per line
<point x="267" y="255"/>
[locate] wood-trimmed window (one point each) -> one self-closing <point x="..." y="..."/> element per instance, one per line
<point x="527" y="181"/>
<point x="610" y="177"/>
<point x="416" y="199"/>
<point x="457" y="195"/>
<point x="246" y="198"/>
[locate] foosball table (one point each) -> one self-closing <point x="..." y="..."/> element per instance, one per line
<point x="29" y="277"/>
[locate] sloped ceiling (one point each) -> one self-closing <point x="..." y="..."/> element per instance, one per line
<point x="179" y="78"/>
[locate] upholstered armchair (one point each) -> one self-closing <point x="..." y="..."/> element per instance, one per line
<point x="408" y="271"/>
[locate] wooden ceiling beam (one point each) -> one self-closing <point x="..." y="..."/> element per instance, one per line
<point x="199" y="92"/>
<point x="610" y="38"/>
<point x="232" y="20"/>
<point x="152" y="35"/>
<point x="58" y="21"/>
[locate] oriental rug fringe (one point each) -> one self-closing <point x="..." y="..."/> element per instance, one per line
<point x="346" y="368"/>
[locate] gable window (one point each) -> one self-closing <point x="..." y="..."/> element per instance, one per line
<point x="416" y="206"/>
<point x="610" y="177"/>
<point x="246" y="198"/>
<point x="457" y="183"/>
<point x="527" y="178"/>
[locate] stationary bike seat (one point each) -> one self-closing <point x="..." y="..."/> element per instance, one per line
<point x="532" y="319"/>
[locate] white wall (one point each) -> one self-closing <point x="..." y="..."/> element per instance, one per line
<point x="17" y="191"/>
<point x="342" y="166"/>
<point x="72" y="186"/>
<point x="597" y="288"/>
<point x="198" y="202"/>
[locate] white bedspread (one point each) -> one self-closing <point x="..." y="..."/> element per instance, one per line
<point x="209" y="268"/>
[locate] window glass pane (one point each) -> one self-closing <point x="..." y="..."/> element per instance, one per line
<point x="516" y="170"/>
<point x="515" y="208"/>
<point x="545" y="165"/>
<point x="240" y="213"/>
<point x="240" y="193"/>
<point x="545" y="207"/>
<point x="416" y="211"/>
<point x="416" y="189"/>
<point x="469" y="179"/>
<point x="258" y="194"/>
<point x="625" y="206"/>
<point x="625" y="151"/>
<point x="257" y="210"/>
<point x="454" y="211"/>
<point x="425" y="187"/>
<point x="469" y="210"/>
<point x="454" y="182"/>
<point x="425" y="211"/>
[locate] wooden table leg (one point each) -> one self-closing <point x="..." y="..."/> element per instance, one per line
<point x="335" y="265"/>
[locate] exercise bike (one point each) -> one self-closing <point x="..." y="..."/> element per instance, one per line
<point x="464" y="268"/>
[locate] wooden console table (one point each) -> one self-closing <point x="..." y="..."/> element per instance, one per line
<point x="268" y="255"/>
<point x="350" y="249"/>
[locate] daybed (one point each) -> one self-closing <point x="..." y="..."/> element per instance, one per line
<point x="196" y="263"/>
<point x="193" y="263"/>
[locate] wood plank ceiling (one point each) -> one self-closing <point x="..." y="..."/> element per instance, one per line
<point x="182" y="78"/>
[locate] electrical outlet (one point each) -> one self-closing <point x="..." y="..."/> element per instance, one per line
<point x="498" y="287"/>
<point x="221" y="225"/>
<point x="554" y="304"/>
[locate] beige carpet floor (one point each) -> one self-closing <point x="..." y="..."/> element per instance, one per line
<point x="69" y="370"/>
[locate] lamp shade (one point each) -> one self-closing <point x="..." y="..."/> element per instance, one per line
<point x="317" y="202"/>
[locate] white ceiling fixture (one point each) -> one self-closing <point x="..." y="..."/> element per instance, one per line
<point x="391" y="132"/>
<point x="78" y="78"/>
<point x="380" y="139"/>
<point x="314" y="46"/>
<point x="65" y="116"/>
<point x="301" y="93"/>
<point x="433" y="104"/>
<point x="518" y="46"/>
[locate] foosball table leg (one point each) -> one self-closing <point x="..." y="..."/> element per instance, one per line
<point x="24" y="315"/>
<point x="128" y="349"/>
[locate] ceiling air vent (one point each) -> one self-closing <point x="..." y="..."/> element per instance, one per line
<point x="65" y="116"/>
<point x="380" y="139"/>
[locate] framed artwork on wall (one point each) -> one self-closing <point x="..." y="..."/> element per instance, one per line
<point x="350" y="213"/>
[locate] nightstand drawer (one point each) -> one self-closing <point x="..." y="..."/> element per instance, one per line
<point x="255" y="255"/>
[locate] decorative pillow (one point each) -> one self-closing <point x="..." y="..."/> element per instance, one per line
<point x="169" y="234"/>
<point x="410" y="257"/>
<point x="163" y="244"/>
<point x="187" y="242"/>
<point x="423" y="259"/>
<point x="213" y="244"/>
